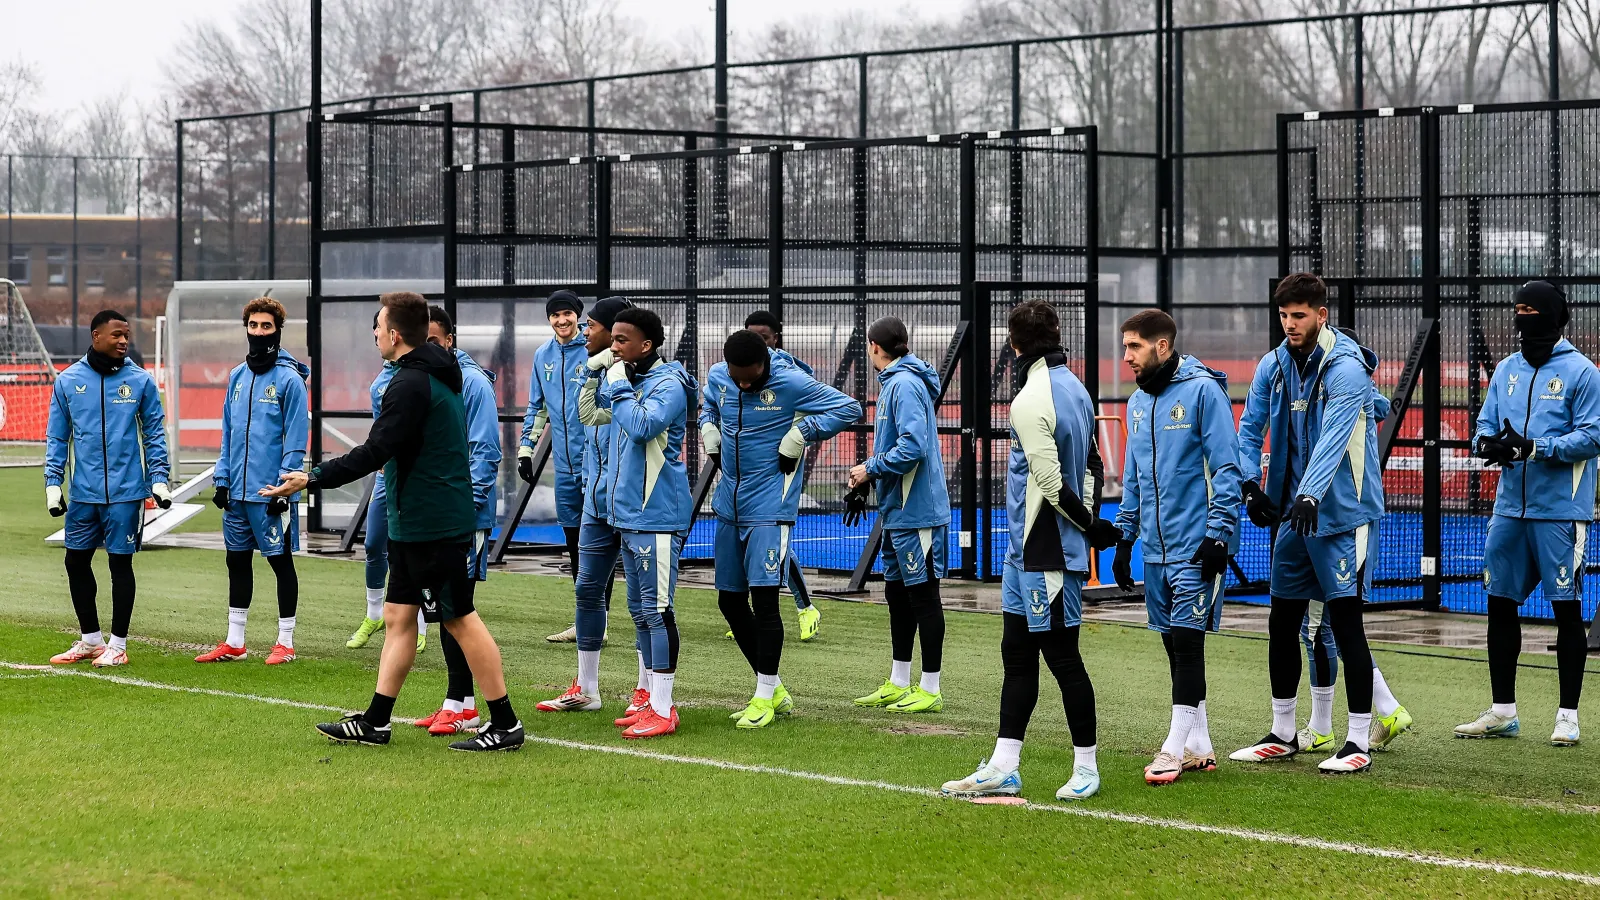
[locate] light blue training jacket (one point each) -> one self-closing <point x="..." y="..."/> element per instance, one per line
<point x="483" y="435"/>
<point x="1338" y="460"/>
<point x="752" y="490"/>
<point x="1052" y="423"/>
<point x="553" y="397"/>
<point x="906" y="461"/>
<point x="1557" y="405"/>
<point x="116" y="430"/>
<point x="265" y="425"/>
<point x="649" y="488"/>
<point x="1180" y="473"/>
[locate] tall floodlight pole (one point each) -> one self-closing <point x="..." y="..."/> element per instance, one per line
<point x="721" y="112"/>
<point x="314" y="295"/>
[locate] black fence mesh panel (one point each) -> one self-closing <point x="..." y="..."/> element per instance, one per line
<point x="385" y="169"/>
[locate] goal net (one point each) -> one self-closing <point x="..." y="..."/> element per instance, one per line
<point x="26" y="376"/>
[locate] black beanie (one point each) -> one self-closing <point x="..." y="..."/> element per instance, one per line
<point x="605" y="312"/>
<point x="1546" y="298"/>
<point x="744" y="348"/>
<point x="563" y="300"/>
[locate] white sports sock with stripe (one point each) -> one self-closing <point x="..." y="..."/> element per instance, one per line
<point x="1085" y="756"/>
<point x="1383" y="699"/>
<point x="236" y="620"/>
<point x="375" y="604"/>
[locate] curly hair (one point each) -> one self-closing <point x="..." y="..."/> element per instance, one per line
<point x="265" y="305"/>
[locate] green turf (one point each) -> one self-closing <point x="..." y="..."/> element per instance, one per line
<point x="177" y="794"/>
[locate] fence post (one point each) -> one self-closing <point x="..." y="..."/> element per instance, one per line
<point x="861" y="96"/>
<point x="775" y="233"/>
<point x="138" y="238"/>
<point x="177" y="209"/>
<point x="974" y="370"/>
<point x="1091" y="265"/>
<point x="1554" y="15"/>
<point x="74" y="257"/>
<point x="1016" y="85"/>
<point x="602" y="227"/>
<point x="1432" y="526"/>
<point x="1359" y="94"/>
<point x="272" y="196"/>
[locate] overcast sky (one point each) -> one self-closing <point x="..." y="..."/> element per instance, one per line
<point x="84" y="49"/>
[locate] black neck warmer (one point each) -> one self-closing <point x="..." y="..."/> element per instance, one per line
<point x="103" y="363"/>
<point x="1156" y="380"/>
<point x="1053" y="356"/>
<point x="263" y="353"/>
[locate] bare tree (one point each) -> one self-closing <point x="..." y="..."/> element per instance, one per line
<point x="18" y="83"/>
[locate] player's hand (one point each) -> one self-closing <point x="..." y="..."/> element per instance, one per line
<point x="600" y="361"/>
<point x="1212" y="557"/>
<point x="1518" y="447"/>
<point x="790" y="449"/>
<point x="1103" y="534"/>
<point x="855" y="504"/>
<point x="277" y="506"/>
<point x="162" y="495"/>
<point x="525" y="464"/>
<point x="54" y="501"/>
<point x="711" y="442"/>
<point x="289" y="484"/>
<point x="858" y="475"/>
<point x="220" y="498"/>
<point x="1122" y="566"/>
<point x="1303" y="516"/>
<point x="1262" y="511"/>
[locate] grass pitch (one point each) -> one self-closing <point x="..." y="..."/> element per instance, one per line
<point x="177" y="779"/>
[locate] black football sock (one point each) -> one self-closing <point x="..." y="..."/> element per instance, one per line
<point x="1019" y="691"/>
<point x="1189" y="666"/>
<point x="769" y="629"/>
<point x="288" y="584"/>
<point x="123" y="588"/>
<point x="501" y="716"/>
<point x="1350" y="633"/>
<point x="572" y="549"/>
<point x="929" y="611"/>
<point x="458" y="674"/>
<point x="1060" y="648"/>
<point x="1283" y="646"/>
<point x="902" y="621"/>
<point x="241" y="578"/>
<point x="82" y="586"/>
<point x="1572" y="650"/>
<point x="735" y="606"/>
<point x="1505" y="646"/>
<point x="379" y="710"/>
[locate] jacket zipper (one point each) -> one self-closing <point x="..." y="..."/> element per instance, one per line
<point x="249" y="411"/>
<point x="1526" y="418"/>
<point x="105" y="448"/>
<point x="1155" y="480"/>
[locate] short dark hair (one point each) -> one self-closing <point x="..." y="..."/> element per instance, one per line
<point x="266" y="305"/>
<point x="744" y="348"/>
<point x="764" y="317"/>
<point x="890" y="334"/>
<point x="1301" y="287"/>
<point x="408" y="314"/>
<point x="1035" y="327"/>
<point x="646" y="321"/>
<point x="437" y="314"/>
<point x="104" y="316"/>
<point x="1152" y="325"/>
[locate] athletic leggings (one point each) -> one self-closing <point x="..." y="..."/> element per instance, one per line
<point x="83" y="587"/>
<point x="1186" y="660"/>
<point x="241" y="581"/>
<point x="1344" y="616"/>
<point x="757" y="628"/>
<point x="1020" y="650"/>
<point x="912" y="609"/>
<point x="1505" y="646"/>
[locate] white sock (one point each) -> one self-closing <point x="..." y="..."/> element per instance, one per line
<point x="452" y="706"/>
<point x="589" y="672"/>
<point x="1567" y="714"/>
<point x="236" y="620"/>
<point x="469" y="703"/>
<point x="1509" y="710"/>
<point x="422" y="624"/>
<point x="661" y="693"/>
<point x="1321" y="710"/>
<point x="1360" y="729"/>
<point x="94" y="638"/>
<point x="1199" y="742"/>
<point x="119" y="643"/>
<point x="900" y="673"/>
<point x="1178" y="734"/>
<point x="765" y="686"/>
<point x="1007" y="754"/>
<point x="1283" y="718"/>
<point x="375" y="604"/>
<point x="1383" y="701"/>
<point x="286" y="631"/>
<point x="644" y="674"/>
<point x="930" y="682"/>
<point x="1084" y="756"/>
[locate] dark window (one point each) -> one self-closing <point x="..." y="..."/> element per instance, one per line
<point x="55" y="266"/>
<point x="20" y="266"/>
<point x="94" y="266"/>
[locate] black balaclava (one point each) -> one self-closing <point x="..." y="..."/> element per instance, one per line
<point x="1156" y="380"/>
<point x="263" y="353"/>
<point x="1539" y="331"/>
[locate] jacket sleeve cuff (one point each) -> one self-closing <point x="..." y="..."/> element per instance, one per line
<point x="1220" y="534"/>
<point x="872" y="466"/>
<point x="1541" y="449"/>
<point x="52" y="481"/>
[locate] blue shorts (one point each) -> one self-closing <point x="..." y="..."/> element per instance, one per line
<point x="1323" y="568"/>
<point x="119" y="527"/>
<point x="1521" y="554"/>
<point x="750" y="556"/>
<point x="1175" y="596"/>
<point x="478" y="556"/>
<point x="909" y="555"/>
<point x="650" y="563"/>
<point x="246" y="526"/>
<point x="1048" y="599"/>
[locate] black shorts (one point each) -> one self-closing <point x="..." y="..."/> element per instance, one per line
<point x="433" y="575"/>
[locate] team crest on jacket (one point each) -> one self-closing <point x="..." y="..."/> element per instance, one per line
<point x="1554" y="386"/>
<point x="1178" y="412"/>
<point x="768" y="397"/>
<point x="272" y="392"/>
<point x="549" y="371"/>
<point x="124" y="392"/>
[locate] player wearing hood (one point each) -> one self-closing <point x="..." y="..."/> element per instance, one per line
<point x="265" y="425"/>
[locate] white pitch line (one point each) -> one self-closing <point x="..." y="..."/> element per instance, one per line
<point x="1246" y="834"/>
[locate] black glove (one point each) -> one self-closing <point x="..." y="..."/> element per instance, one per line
<point x="1122" y="565"/>
<point x="1519" y="448"/>
<point x="1212" y="557"/>
<point x="855" y="504"/>
<point x="220" y="499"/>
<point x="1493" y="450"/>
<point x="1262" y="511"/>
<point x="525" y="468"/>
<point x="1303" y="516"/>
<point x="1103" y="533"/>
<point x="787" y="464"/>
<point x="277" y="506"/>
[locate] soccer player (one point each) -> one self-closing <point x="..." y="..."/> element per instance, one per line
<point x="460" y="712"/>
<point x="767" y="325"/>
<point x="907" y="469"/>
<point x="651" y="507"/>
<point x="109" y="411"/>
<point x="759" y="411"/>
<point x="1541" y="423"/>
<point x="376" y="537"/>
<point x="599" y="544"/>
<point x="265" y="425"/>
<point x="420" y="440"/>
<point x="1313" y="395"/>
<point x="1181" y="495"/>
<point x="553" y="404"/>
<point x="1047" y="562"/>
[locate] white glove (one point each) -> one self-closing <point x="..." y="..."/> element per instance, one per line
<point x="599" y="361"/>
<point x="793" y="443"/>
<point x="524" y="452"/>
<point x="711" y="437"/>
<point x="53" y="500"/>
<point x="617" y="372"/>
<point x="162" y="495"/>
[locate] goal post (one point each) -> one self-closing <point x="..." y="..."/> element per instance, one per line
<point x="26" y="378"/>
